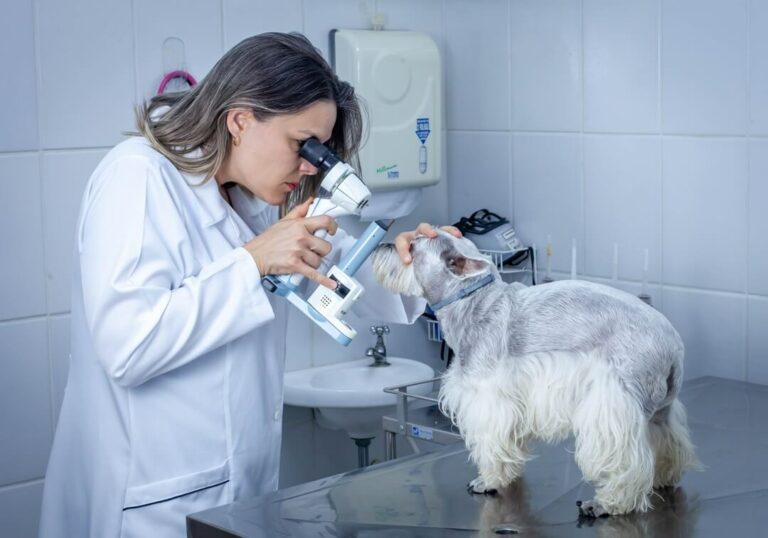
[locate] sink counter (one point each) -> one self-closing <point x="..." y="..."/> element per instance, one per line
<point x="425" y="495"/>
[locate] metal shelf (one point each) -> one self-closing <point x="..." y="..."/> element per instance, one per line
<point x="498" y="257"/>
<point x="417" y="417"/>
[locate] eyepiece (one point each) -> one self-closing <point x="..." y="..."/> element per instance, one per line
<point x="318" y="154"/>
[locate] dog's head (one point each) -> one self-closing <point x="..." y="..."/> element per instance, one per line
<point x="440" y="266"/>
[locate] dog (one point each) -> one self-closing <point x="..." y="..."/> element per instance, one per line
<point x="547" y="361"/>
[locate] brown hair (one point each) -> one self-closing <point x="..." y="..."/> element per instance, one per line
<point x="270" y="74"/>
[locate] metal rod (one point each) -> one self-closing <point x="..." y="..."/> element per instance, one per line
<point x="390" y="445"/>
<point x="362" y="451"/>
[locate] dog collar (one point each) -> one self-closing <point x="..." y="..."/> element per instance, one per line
<point x="463" y="292"/>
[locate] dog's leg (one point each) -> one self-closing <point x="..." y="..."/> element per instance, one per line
<point x="672" y="445"/>
<point x="492" y="427"/>
<point x="613" y="449"/>
<point x="499" y="462"/>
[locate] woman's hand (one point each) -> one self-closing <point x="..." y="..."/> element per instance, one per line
<point x="288" y="246"/>
<point x="403" y="240"/>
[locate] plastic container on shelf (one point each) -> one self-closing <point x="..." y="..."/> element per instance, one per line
<point x="499" y="256"/>
<point x="434" y="334"/>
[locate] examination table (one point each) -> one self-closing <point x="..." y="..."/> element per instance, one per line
<point x="426" y="495"/>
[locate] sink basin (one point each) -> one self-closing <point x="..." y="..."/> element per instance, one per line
<point x="350" y="395"/>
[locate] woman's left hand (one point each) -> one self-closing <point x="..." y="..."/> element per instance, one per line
<point x="403" y="240"/>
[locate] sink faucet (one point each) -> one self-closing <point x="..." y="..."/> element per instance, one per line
<point x="379" y="350"/>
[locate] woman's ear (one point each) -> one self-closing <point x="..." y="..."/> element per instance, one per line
<point x="237" y="121"/>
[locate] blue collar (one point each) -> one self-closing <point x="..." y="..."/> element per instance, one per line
<point x="463" y="292"/>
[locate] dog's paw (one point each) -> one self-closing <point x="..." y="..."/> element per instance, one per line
<point x="478" y="486"/>
<point x="591" y="510"/>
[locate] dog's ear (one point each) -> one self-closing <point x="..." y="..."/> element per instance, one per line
<point x="464" y="266"/>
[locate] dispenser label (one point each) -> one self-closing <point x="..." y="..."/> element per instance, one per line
<point x="391" y="171"/>
<point x="421" y="432"/>
<point x="385" y="168"/>
<point x="422" y="129"/>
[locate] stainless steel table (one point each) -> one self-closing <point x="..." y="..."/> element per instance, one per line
<point x="425" y="495"/>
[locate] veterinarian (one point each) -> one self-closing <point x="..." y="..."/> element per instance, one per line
<point x="175" y="391"/>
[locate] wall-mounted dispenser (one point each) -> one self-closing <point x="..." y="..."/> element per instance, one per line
<point x="398" y="75"/>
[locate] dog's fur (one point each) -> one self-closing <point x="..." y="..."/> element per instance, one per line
<point x="569" y="357"/>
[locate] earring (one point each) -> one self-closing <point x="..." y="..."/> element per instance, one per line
<point x="236" y="141"/>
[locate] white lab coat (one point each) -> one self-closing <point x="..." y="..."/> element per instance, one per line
<point x="175" y="391"/>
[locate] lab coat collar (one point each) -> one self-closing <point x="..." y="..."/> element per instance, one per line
<point x="245" y="203"/>
<point x="213" y="207"/>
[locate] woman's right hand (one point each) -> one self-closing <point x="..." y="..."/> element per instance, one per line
<point x="289" y="246"/>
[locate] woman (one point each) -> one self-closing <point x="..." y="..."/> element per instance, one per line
<point x="174" y="397"/>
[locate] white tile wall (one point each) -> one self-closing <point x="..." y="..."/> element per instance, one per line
<point x="432" y="208"/>
<point x="325" y="350"/>
<point x="20" y="510"/>
<point x="200" y="32"/>
<point x="18" y="85"/>
<point x="244" y="18"/>
<point x="758" y="67"/>
<point x="86" y="65"/>
<point x="704" y="66"/>
<point x="621" y="63"/>
<point x="322" y="17"/>
<point x="580" y="90"/>
<point x="546" y="170"/>
<point x="705" y="203"/>
<point x="297" y="355"/>
<point x="424" y="16"/>
<point x="635" y="288"/>
<point x="24" y="385"/>
<point x="713" y="328"/>
<point x="334" y="452"/>
<point x="479" y="173"/>
<point x="296" y="461"/>
<point x="22" y="275"/>
<point x="58" y="358"/>
<point x="546" y="65"/>
<point x="757" y="341"/>
<point x="622" y="205"/>
<point x="477" y="65"/>
<point x="65" y="175"/>
<point x="757" y="210"/>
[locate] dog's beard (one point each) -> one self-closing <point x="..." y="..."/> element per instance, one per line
<point x="392" y="274"/>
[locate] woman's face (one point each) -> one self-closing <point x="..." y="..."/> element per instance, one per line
<point x="267" y="162"/>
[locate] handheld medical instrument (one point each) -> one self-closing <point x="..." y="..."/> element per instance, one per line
<point x="342" y="192"/>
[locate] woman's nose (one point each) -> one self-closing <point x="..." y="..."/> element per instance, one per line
<point x="306" y="168"/>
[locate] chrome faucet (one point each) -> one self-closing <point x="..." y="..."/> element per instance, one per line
<point x="379" y="350"/>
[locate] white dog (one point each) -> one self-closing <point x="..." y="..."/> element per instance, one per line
<point x="547" y="361"/>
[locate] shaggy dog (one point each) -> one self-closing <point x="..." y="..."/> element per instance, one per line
<point x="544" y="362"/>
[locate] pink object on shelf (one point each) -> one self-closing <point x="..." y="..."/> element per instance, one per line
<point x="175" y="74"/>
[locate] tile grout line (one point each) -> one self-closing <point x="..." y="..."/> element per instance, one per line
<point x="40" y="156"/>
<point x="748" y="96"/>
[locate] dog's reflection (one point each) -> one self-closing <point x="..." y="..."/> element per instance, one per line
<point x="508" y="512"/>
